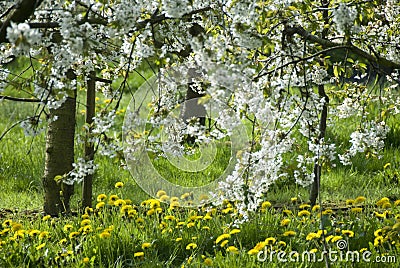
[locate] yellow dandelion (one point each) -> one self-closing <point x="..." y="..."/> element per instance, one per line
<point x="16" y="226"/>
<point x="293" y="199"/>
<point x="270" y="240"/>
<point x="120" y="203"/>
<point x="222" y="237"/>
<point x="281" y="244"/>
<point x="378" y="241"/>
<point x="205" y="228"/>
<point x="100" y="205"/>
<point x="33" y="233"/>
<point x="386" y="205"/>
<point x="396" y="203"/>
<point x="336" y="238"/>
<point x="224" y="242"/>
<point x="146" y="245"/>
<point x="178" y="239"/>
<point x="382" y="201"/>
<point x="47" y="217"/>
<point x="85" y="222"/>
<point x="348" y="233"/>
<point x="7" y="223"/>
<point x="386" y="165"/>
<point x="40" y="246"/>
<point x="315" y="208"/>
<point x="253" y="251"/>
<point x="266" y="204"/>
<point x="378" y="232"/>
<point x="104" y="234"/>
<point x="73" y="235"/>
<point x="85" y="260"/>
<point x="260" y="246"/>
<point x="190" y="224"/>
<point x="62" y="241"/>
<point x="304" y="213"/>
<point x="328" y="238"/>
<point x="327" y="211"/>
<point x="227" y="210"/>
<point x="234" y="231"/>
<point x="174" y="199"/>
<point x="314" y="250"/>
<point x="207" y="217"/>
<point x="350" y="202"/>
<point x="174" y="205"/>
<point x="119" y="184"/>
<point x="180" y="224"/>
<point x="360" y="199"/>
<point x="233" y="249"/>
<point x="356" y="210"/>
<point x="139" y="220"/>
<point x="161" y="193"/>
<point x="44" y="234"/>
<point x="164" y="198"/>
<point x="113" y="198"/>
<point x="138" y="254"/>
<point x="287" y="212"/>
<point x="285" y="222"/>
<point x="191" y="246"/>
<point x="85" y="216"/>
<point x="311" y="236"/>
<point x="289" y="233"/>
<point x="169" y="218"/>
<point x="304" y="206"/>
<point x="381" y="215"/>
<point x="101" y="197"/>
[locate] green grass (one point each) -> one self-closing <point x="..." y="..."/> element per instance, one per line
<point x="22" y="162"/>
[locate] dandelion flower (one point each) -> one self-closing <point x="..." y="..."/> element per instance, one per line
<point x="138" y="254"/>
<point x="233" y="249"/>
<point x="44" y="234"/>
<point x="270" y="240"/>
<point x="287" y="212"/>
<point x="100" y="205"/>
<point x="356" y="210"/>
<point x="105" y="234"/>
<point x="378" y="232"/>
<point x="190" y="224"/>
<point x="33" y="233"/>
<point x="311" y="236"/>
<point x="73" y="235"/>
<point x="178" y="239"/>
<point x="119" y="184"/>
<point x="253" y="251"/>
<point x="304" y="206"/>
<point x="146" y="245"/>
<point x="285" y="222"/>
<point x="161" y="193"/>
<point x="348" y="233"/>
<point x="223" y="243"/>
<point x="289" y="233"/>
<point x="47" y="217"/>
<point x="174" y="199"/>
<point x="86" y="260"/>
<point x="164" y="198"/>
<point x="234" y="231"/>
<point x="350" y="202"/>
<point x="222" y="237"/>
<point x="266" y="204"/>
<point x="360" y="199"/>
<point x="336" y="238"/>
<point x="185" y="196"/>
<point x="191" y="246"/>
<point x="101" y="197"/>
<point x="315" y="208"/>
<point x="304" y="213"/>
<point x="85" y="222"/>
<point x="40" y="246"/>
<point x="120" y="203"/>
<point x="378" y="241"/>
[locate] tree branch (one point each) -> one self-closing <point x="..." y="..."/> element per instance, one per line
<point x="22" y="12"/>
<point x="378" y="60"/>
<point x="2" y="97"/>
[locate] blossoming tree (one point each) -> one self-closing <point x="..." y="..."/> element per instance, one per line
<point x="289" y="69"/>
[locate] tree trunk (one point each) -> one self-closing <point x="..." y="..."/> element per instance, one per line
<point x="89" y="146"/>
<point x="324" y="115"/>
<point x="59" y="158"/>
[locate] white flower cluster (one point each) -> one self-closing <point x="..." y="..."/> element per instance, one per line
<point x="82" y="168"/>
<point x="31" y="126"/>
<point x="343" y="18"/>
<point x="22" y="37"/>
<point x="368" y="140"/>
<point x="103" y="123"/>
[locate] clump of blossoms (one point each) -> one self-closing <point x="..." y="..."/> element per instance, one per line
<point x="22" y="37"/>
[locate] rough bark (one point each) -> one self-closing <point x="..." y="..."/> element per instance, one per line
<point x="59" y="158"/>
<point x="89" y="146"/>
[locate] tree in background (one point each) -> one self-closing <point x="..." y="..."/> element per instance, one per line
<point x="290" y="69"/>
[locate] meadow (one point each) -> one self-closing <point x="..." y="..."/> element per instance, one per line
<point x="360" y="209"/>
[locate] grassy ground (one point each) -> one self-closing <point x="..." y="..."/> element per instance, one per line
<point x="118" y="239"/>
